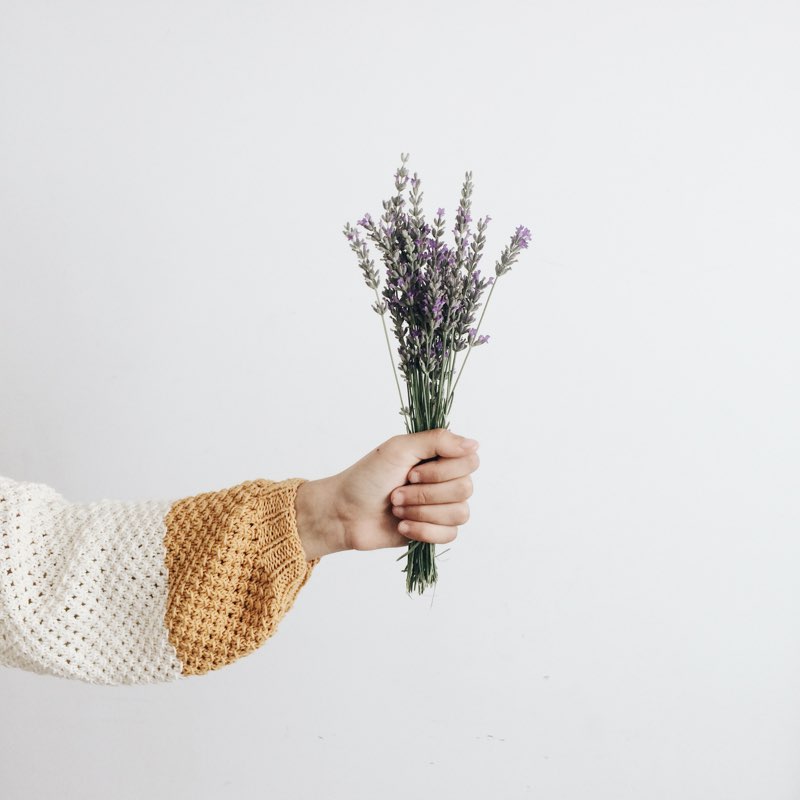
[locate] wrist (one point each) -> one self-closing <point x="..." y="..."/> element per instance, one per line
<point x="318" y="524"/>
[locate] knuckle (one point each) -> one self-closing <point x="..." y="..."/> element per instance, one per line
<point x="392" y="445"/>
<point x="411" y="513"/>
<point x="452" y="534"/>
<point x="474" y="461"/>
<point x="410" y="530"/>
<point x="422" y="513"/>
<point x="423" y="496"/>
<point x="463" y="516"/>
<point x="467" y="486"/>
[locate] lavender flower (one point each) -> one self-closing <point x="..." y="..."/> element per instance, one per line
<point x="519" y="240"/>
<point x="523" y="236"/>
<point x="431" y="294"/>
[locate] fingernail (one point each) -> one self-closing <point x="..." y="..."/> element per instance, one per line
<point x="414" y="477"/>
<point x="397" y="498"/>
<point x="397" y="511"/>
<point x="469" y="444"/>
<point x="403" y="527"/>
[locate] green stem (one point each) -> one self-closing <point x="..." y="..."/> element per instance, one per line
<point x="477" y="331"/>
<point x="444" y="373"/>
<point x="391" y="358"/>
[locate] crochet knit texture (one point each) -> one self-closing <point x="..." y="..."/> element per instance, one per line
<point x="138" y="592"/>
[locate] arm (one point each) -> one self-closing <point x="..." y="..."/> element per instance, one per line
<point x="122" y="592"/>
<point x="138" y="592"/>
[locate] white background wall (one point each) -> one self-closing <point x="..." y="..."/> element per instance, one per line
<point x="181" y="312"/>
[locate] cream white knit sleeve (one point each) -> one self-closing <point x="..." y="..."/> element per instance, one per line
<point x="121" y="592"/>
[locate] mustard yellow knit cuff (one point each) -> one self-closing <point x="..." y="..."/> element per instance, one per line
<point x="235" y="565"/>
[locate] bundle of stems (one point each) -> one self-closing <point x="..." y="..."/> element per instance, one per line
<point x="432" y="292"/>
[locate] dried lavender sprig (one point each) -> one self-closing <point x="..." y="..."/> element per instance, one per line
<point x="520" y="239"/>
<point x="359" y="247"/>
<point x="463" y="218"/>
<point x="373" y="281"/>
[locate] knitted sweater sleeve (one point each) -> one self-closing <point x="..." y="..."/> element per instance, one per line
<point x="120" y="592"/>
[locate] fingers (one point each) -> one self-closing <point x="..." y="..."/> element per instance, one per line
<point x="442" y="514"/>
<point x="433" y="504"/>
<point x="444" y="470"/>
<point x="452" y="491"/>
<point x="413" y="447"/>
<point x="428" y="532"/>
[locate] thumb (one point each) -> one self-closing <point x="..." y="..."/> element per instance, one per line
<point x="411" y="448"/>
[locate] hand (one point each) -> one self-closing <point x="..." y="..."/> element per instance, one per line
<point x="361" y="507"/>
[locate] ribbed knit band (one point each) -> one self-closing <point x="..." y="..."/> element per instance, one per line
<point x="236" y="564"/>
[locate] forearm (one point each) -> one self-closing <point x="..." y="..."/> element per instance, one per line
<point x="318" y="522"/>
<point x="119" y="592"/>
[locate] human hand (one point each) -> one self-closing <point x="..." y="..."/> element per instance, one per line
<point x="366" y="506"/>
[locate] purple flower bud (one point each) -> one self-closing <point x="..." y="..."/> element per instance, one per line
<point x="523" y="236"/>
<point x="439" y="212"/>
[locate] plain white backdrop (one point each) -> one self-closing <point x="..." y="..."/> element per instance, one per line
<point x="620" y="619"/>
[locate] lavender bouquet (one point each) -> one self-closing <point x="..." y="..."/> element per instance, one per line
<point x="432" y="294"/>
